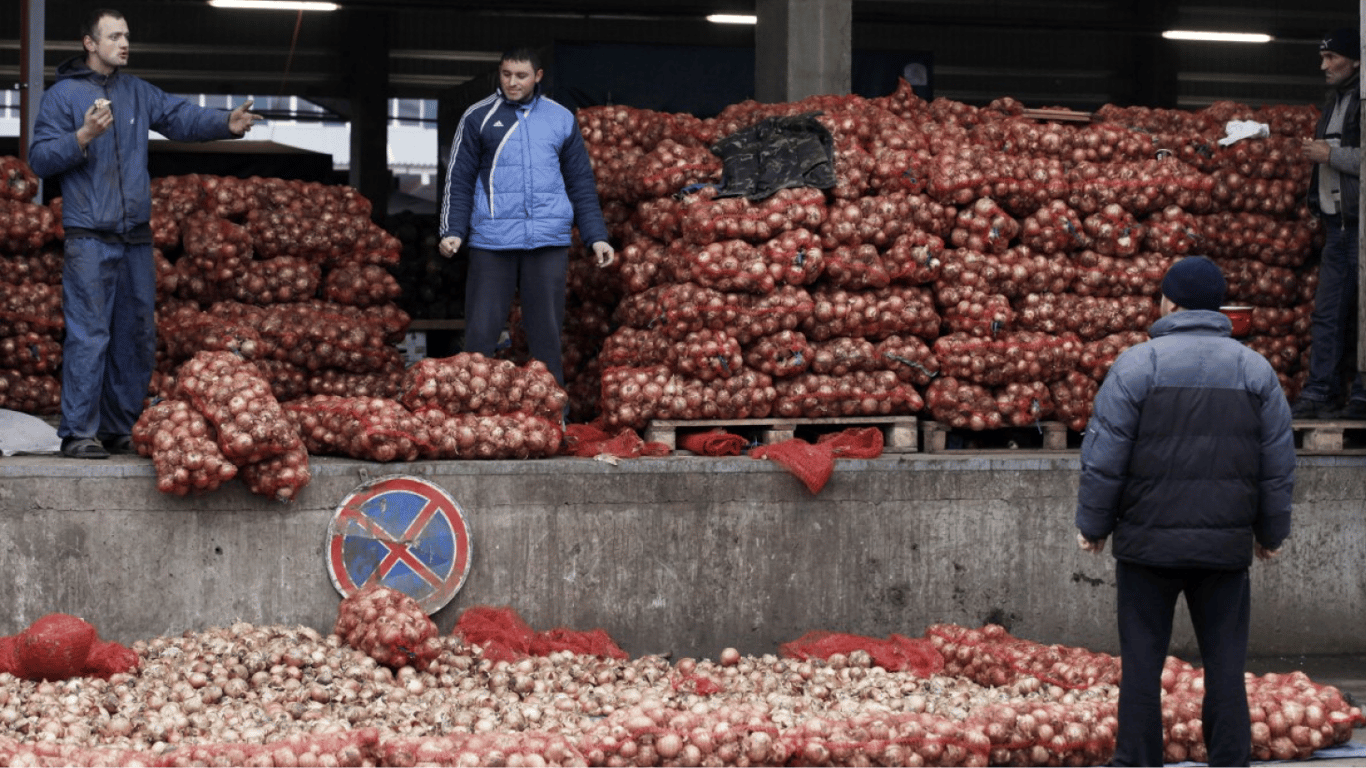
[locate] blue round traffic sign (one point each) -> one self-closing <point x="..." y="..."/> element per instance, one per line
<point x="403" y="533"/>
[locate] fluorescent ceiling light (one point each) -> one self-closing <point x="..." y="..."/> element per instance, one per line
<point x="276" y="5"/>
<point x="732" y="18"/>
<point x="1216" y="37"/>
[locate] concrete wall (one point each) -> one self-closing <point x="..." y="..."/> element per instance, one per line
<point x="685" y="555"/>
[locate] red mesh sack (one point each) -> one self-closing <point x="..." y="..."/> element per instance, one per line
<point x="108" y="659"/>
<point x="717" y="442"/>
<point x="812" y="464"/>
<point x="502" y="633"/>
<point x="595" y="642"/>
<point x="854" y="443"/>
<point x="589" y="440"/>
<point x="55" y="647"/>
<point x="388" y="626"/>
<point x="897" y="653"/>
<point x="9" y="662"/>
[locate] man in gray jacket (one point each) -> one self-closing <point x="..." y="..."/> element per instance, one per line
<point x="1189" y="462"/>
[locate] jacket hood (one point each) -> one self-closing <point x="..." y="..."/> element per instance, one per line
<point x="75" y="67"/>
<point x="1202" y="321"/>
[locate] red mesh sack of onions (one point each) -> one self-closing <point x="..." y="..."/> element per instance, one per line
<point x="639" y="264"/>
<point x="732" y="265"/>
<point x="856" y="267"/>
<point x="732" y="218"/>
<point x="962" y="405"/>
<point x="706" y="355"/>
<point x="877" y="220"/>
<point x="1022" y="272"/>
<point x="186" y="331"/>
<point x="31" y="353"/>
<point x="844" y="355"/>
<point x="471" y="383"/>
<point x="1171" y="232"/>
<point x="386" y="384"/>
<point x="744" y="395"/>
<point x="1090" y="317"/>
<point x="748" y="317"/>
<point x="1073" y="396"/>
<point x="219" y="249"/>
<point x="914" y="258"/>
<point x="794" y="257"/>
<point x="25" y="227"/>
<point x="287" y="381"/>
<point x="1271" y="240"/>
<point x="278" y="477"/>
<point x="1254" y="282"/>
<point x="1022" y="404"/>
<point x="853" y="167"/>
<point x="1113" y="231"/>
<point x="1020" y="356"/>
<point x="229" y="197"/>
<point x="1140" y="187"/>
<point x="782" y="354"/>
<point x="1292" y="716"/>
<point x="909" y="357"/>
<point x="875" y="314"/>
<point x="631" y="395"/>
<point x="1101" y="275"/>
<point x="17" y="180"/>
<point x="236" y="399"/>
<point x="281" y="280"/>
<point x="1054" y="228"/>
<point x="1282" y="321"/>
<point x="37" y="394"/>
<point x="659" y="219"/>
<point x="670" y="166"/>
<point x="498" y="436"/>
<point x="633" y="346"/>
<point x="369" y="428"/>
<point x="976" y="313"/>
<point x="860" y="393"/>
<point x="31" y="308"/>
<point x="183" y="448"/>
<point x="54" y="647"/>
<point x="955" y="177"/>
<point x="317" y="335"/>
<point x="1234" y="191"/>
<point x="675" y="310"/>
<point x="1098" y="355"/>
<point x="389" y="627"/>
<point x="984" y="227"/>
<point x="1283" y="352"/>
<point x="45" y="266"/>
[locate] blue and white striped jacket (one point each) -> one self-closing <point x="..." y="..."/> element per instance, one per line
<point x="519" y="177"/>
<point x="1189" y="456"/>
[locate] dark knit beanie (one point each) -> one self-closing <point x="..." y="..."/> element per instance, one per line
<point x="1195" y="282"/>
<point x="1345" y="42"/>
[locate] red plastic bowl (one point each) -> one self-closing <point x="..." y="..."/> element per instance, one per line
<point x="1241" y="317"/>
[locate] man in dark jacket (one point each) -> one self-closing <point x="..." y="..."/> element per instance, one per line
<point x="518" y="182"/>
<point x="1334" y="194"/>
<point x="91" y="133"/>
<point x="1189" y="461"/>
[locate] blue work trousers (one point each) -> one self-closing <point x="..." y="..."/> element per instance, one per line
<point x="1220" y="604"/>
<point x="495" y="278"/>
<point x="109" y="305"/>
<point x="1335" y="304"/>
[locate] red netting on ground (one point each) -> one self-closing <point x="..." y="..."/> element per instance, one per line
<point x="854" y="443"/>
<point x="895" y="654"/>
<point x="717" y="442"/>
<point x="107" y="659"/>
<point x="812" y="464"/>
<point x="589" y="440"/>
<point x="505" y="636"/>
<point x="9" y="662"/>
<point x="54" y="647"/>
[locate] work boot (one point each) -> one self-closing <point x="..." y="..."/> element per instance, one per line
<point x="1355" y="410"/>
<point x="1305" y="408"/>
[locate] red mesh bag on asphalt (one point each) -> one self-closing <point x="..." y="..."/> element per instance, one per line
<point x="55" y="647"/>
<point x="812" y="464"/>
<point x="854" y="443"/>
<point x="502" y="633"/>
<point x="594" y="642"/>
<point x="897" y="653"/>
<point x="108" y="659"/>
<point x="717" y="442"/>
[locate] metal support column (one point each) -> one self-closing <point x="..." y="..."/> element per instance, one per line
<point x="367" y="46"/>
<point x="31" y="43"/>
<point x="802" y="48"/>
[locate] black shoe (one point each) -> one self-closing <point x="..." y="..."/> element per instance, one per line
<point x="1355" y="410"/>
<point x="83" y="448"/>
<point x="1305" y="408"/>
<point x="119" y="444"/>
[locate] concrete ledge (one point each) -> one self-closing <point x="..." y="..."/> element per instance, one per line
<point x="681" y="554"/>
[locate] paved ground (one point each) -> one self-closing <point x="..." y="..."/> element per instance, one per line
<point x="1348" y="673"/>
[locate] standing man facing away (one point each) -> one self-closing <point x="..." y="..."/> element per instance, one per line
<point x="1334" y="195"/>
<point x="1189" y="461"/>
<point x="519" y="179"/>
<point x="91" y="133"/>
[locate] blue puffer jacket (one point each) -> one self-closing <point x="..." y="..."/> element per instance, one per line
<point x="107" y="188"/>
<point x="519" y="178"/>
<point x="1189" y="456"/>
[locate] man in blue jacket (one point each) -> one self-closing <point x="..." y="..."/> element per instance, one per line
<point x="91" y="133"/>
<point x="1189" y="462"/>
<point x="519" y="180"/>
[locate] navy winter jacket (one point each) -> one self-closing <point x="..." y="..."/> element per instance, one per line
<point x="1189" y="456"/>
<point x="106" y="188"/>
<point x="519" y="178"/>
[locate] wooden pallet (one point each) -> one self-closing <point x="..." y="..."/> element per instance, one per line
<point x="900" y="434"/>
<point x="1046" y="436"/>
<point x="1329" y="436"/>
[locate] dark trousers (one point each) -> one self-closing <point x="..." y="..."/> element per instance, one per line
<point x="1220" y="604"/>
<point x="495" y="278"/>
<point x="1335" y="304"/>
<point x="109" y="306"/>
